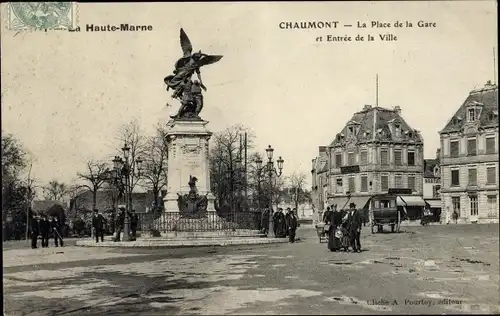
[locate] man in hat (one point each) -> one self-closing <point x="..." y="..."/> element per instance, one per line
<point x="98" y="224"/>
<point x="291" y="223"/>
<point x="134" y="221"/>
<point x="35" y="230"/>
<point x="45" y="230"/>
<point x="265" y="220"/>
<point x="120" y="221"/>
<point x="57" y="231"/>
<point x="354" y="226"/>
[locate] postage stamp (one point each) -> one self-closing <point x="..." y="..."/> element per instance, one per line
<point x="42" y="15"/>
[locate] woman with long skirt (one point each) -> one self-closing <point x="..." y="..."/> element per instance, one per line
<point x="334" y="220"/>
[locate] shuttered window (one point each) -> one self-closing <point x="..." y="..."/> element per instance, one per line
<point x="471" y="147"/>
<point x="364" y="157"/>
<point x="384" y="157"/>
<point x="455" y="177"/>
<point x="364" y="184"/>
<point x="491" y="175"/>
<point x="398" y="158"/>
<point x="473" y="176"/>
<point x="411" y="158"/>
<point x="490" y="145"/>
<point x="338" y="160"/>
<point x="384" y="181"/>
<point x="411" y="183"/>
<point x="398" y="181"/>
<point x="454" y="148"/>
<point x="352" y="185"/>
<point x="351" y="159"/>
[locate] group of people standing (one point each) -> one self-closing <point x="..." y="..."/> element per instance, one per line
<point x="99" y="222"/>
<point x="284" y="225"/>
<point x="343" y="228"/>
<point x="45" y="227"/>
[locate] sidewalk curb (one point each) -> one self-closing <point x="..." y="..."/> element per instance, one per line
<point x="176" y="243"/>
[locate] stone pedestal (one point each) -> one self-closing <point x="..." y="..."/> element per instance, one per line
<point x="187" y="156"/>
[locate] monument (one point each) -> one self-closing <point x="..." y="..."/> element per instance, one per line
<point x="188" y="176"/>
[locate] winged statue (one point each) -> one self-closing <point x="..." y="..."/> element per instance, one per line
<point x="192" y="205"/>
<point x="189" y="91"/>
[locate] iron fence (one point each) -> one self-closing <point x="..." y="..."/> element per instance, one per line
<point x="174" y="222"/>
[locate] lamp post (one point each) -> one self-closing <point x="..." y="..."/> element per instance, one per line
<point x="271" y="170"/>
<point x="122" y="171"/>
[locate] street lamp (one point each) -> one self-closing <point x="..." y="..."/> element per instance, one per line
<point x="271" y="171"/>
<point x="122" y="170"/>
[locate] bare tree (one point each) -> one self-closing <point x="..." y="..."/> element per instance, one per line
<point x="227" y="177"/>
<point x="298" y="184"/>
<point x="55" y="190"/>
<point x="96" y="175"/>
<point x="131" y="134"/>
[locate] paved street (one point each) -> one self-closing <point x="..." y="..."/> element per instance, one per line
<point x="434" y="269"/>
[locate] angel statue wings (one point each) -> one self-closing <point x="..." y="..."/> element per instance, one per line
<point x="185" y="89"/>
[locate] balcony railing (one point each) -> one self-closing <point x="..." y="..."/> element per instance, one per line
<point x="174" y="222"/>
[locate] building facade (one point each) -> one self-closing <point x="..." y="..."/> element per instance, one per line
<point x="319" y="183"/>
<point x="375" y="151"/>
<point x="469" y="159"/>
<point x="432" y="186"/>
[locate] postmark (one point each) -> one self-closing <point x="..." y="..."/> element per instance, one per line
<point x="42" y="16"/>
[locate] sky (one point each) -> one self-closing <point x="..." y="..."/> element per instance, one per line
<point x="66" y="94"/>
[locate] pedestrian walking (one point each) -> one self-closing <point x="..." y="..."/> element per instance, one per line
<point x="134" y="221"/>
<point x="354" y="227"/>
<point x="35" y="230"/>
<point x="265" y="220"/>
<point x="120" y="220"/>
<point x="98" y="223"/>
<point x="57" y="232"/>
<point x="45" y="231"/>
<point x="292" y="224"/>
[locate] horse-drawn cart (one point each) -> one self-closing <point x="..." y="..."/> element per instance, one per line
<point x="384" y="211"/>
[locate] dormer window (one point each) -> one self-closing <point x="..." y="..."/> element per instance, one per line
<point x="471" y="114"/>
<point x="410" y="134"/>
<point x="397" y="129"/>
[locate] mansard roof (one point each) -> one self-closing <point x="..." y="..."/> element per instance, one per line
<point x="485" y="98"/>
<point x="377" y="120"/>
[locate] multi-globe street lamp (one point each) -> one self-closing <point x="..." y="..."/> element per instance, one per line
<point x="122" y="171"/>
<point x="271" y="171"/>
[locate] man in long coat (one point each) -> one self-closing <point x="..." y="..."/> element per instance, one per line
<point x="291" y="223"/>
<point x="98" y="223"/>
<point x="35" y="230"/>
<point x="354" y="227"/>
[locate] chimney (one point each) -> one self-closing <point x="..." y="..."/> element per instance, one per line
<point x="397" y="109"/>
<point x="322" y="149"/>
<point x="367" y="107"/>
<point x="438" y="153"/>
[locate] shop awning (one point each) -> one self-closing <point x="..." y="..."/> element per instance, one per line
<point x="410" y="200"/>
<point x="434" y="203"/>
<point x="343" y="202"/>
<point x="360" y="201"/>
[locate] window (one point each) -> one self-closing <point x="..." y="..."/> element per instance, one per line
<point x="339" y="188"/>
<point x="384" y="157"/>
<point x="352" y="185"/>
<point x="472" y="176"/>
<point x="455" y="201"/>
<point x="411" y="183"/>
<point x="473" y="205"/>
<point x="471" y="114"/>
<point x="398" y="181"/>
<point x="338" y="160"/>
<point x="397" y="128"/>
<point x="364" y="184"/>
<point x="364" y="157"/>
<point x="491" y="175"/>
<point x="436" y="191"/>
<point x="455" y="177"/>
<point x="471" y="147"/>
<point x="454" y="148"/>
<point x="398" y="159"/>
<point x="384" y="181"/>
<point x="411" y="158"/>
<point x="490" y="145"/>
<point x="351" y="159"/>
<point x="492" y="206"/>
